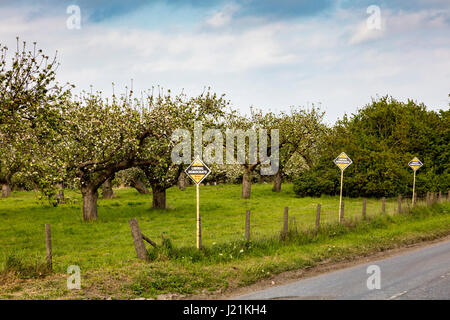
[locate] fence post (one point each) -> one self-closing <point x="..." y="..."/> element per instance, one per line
<point x="432" y="198"/>
<point x="399" y="203"/>
<point x="285" y="223"/>
<point x="364" y="209"/>
<point x="440" y="196"/>
<point x="247" y="225"/>
<point x="318" y="217"/>
<point x="383" y="205"/>
<point x="428" y="198"/>
<point x="137" y="239"/>
<point x="48" y="245"/>
<point x="341" y="216"/>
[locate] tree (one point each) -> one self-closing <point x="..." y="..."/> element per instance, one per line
<point x="300" y="133"/>
<point x="241" y="129"/>
<point x="99" y="138"/>
<point x="30" y="100"/>
<point x="381" y="139"/>
<point x="135" y="178"/>
<point x="181" y="113"/>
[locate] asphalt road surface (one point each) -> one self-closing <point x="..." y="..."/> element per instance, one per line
<point x="419" y="274"/>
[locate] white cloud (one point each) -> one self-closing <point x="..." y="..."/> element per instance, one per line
<point x="222" y="17"/>
<point x="274" y="65"/>
<point x="364" y="34"/>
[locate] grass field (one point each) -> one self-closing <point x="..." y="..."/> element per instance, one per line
<point x="105" y="253"/>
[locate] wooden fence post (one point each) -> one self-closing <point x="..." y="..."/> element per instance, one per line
<point x="247" y="225"/>
<point x="137" y="239"/>
<point x="318" y="217"/>
<point x="383" y="205"/>
<point x="285" y="223"/>
<point x="440" y="196"/>
<point x="341" y="216"/>
<point x="399" y="203"/>
<point x="48" y="245"/>
<point x="364" y="208"/>
<point x="428" y="198"/>
<point x="199" y="232"/>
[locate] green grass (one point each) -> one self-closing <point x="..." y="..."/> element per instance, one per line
<point x="105" y="253"/>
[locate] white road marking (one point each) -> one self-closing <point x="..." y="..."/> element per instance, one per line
<point x="397" y="295"/>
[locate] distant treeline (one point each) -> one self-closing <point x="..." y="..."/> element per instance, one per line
<point x="381" y="139"/>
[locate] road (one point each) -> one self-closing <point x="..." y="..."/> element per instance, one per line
<point x="419" y="274"/>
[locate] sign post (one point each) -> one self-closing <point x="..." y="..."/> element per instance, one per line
<point x="415" y="164"/>
<point x="198" y="171"/>
<point x="342" y="161"/>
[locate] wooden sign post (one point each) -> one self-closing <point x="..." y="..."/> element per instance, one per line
<point x="415" y="164"/>
<point x="198" y="171"/>
<point x="342" y="161"/>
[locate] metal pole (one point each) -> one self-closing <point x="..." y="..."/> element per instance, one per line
<point x="414" y="188"/>
<point x="340" y="196"/>
<point x="199" y="232"/>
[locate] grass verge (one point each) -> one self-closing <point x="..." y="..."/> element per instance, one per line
<point x="178" y="271"/>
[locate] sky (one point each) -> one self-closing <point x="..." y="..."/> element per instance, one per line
<point x="267" y="54"/>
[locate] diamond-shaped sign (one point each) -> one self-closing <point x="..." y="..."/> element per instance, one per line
<point x="197" y="171"/>
<point x="343" y="161"/>
<point x="415" y="163"/>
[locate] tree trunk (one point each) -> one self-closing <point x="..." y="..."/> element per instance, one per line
<point x="246" y="185"/>
<point x="90" y="196"/>
<point x="159" y="197"/>
<point x="107" y="191"/>
<point x="60" y="195"/>
<point x="139" y="186"/>
<point x="277" y="182"/>
<point x="182" y="181"/>
<point x="6" y="190"/>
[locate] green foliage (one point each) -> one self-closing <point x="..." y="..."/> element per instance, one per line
<point x="313" y="183"/>
<point x="381" y="139"/>
<point x="30" y="108"/>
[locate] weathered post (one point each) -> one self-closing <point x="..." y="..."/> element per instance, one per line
<point x="199" y="221"/>
<point x="428" y="198"/>
<point x="341" y="215"/>
<point x="137" y="239"/>
<point x="285" y="223"/>
<point x="318" y="217"/>
<point x="399" y="203"/>
<point x="440" y="196"/>
<point x="48" y="245"/>
<point x="383" y="205"/>
<point x="364" y="209"/>
<point x="247" y="225"/>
